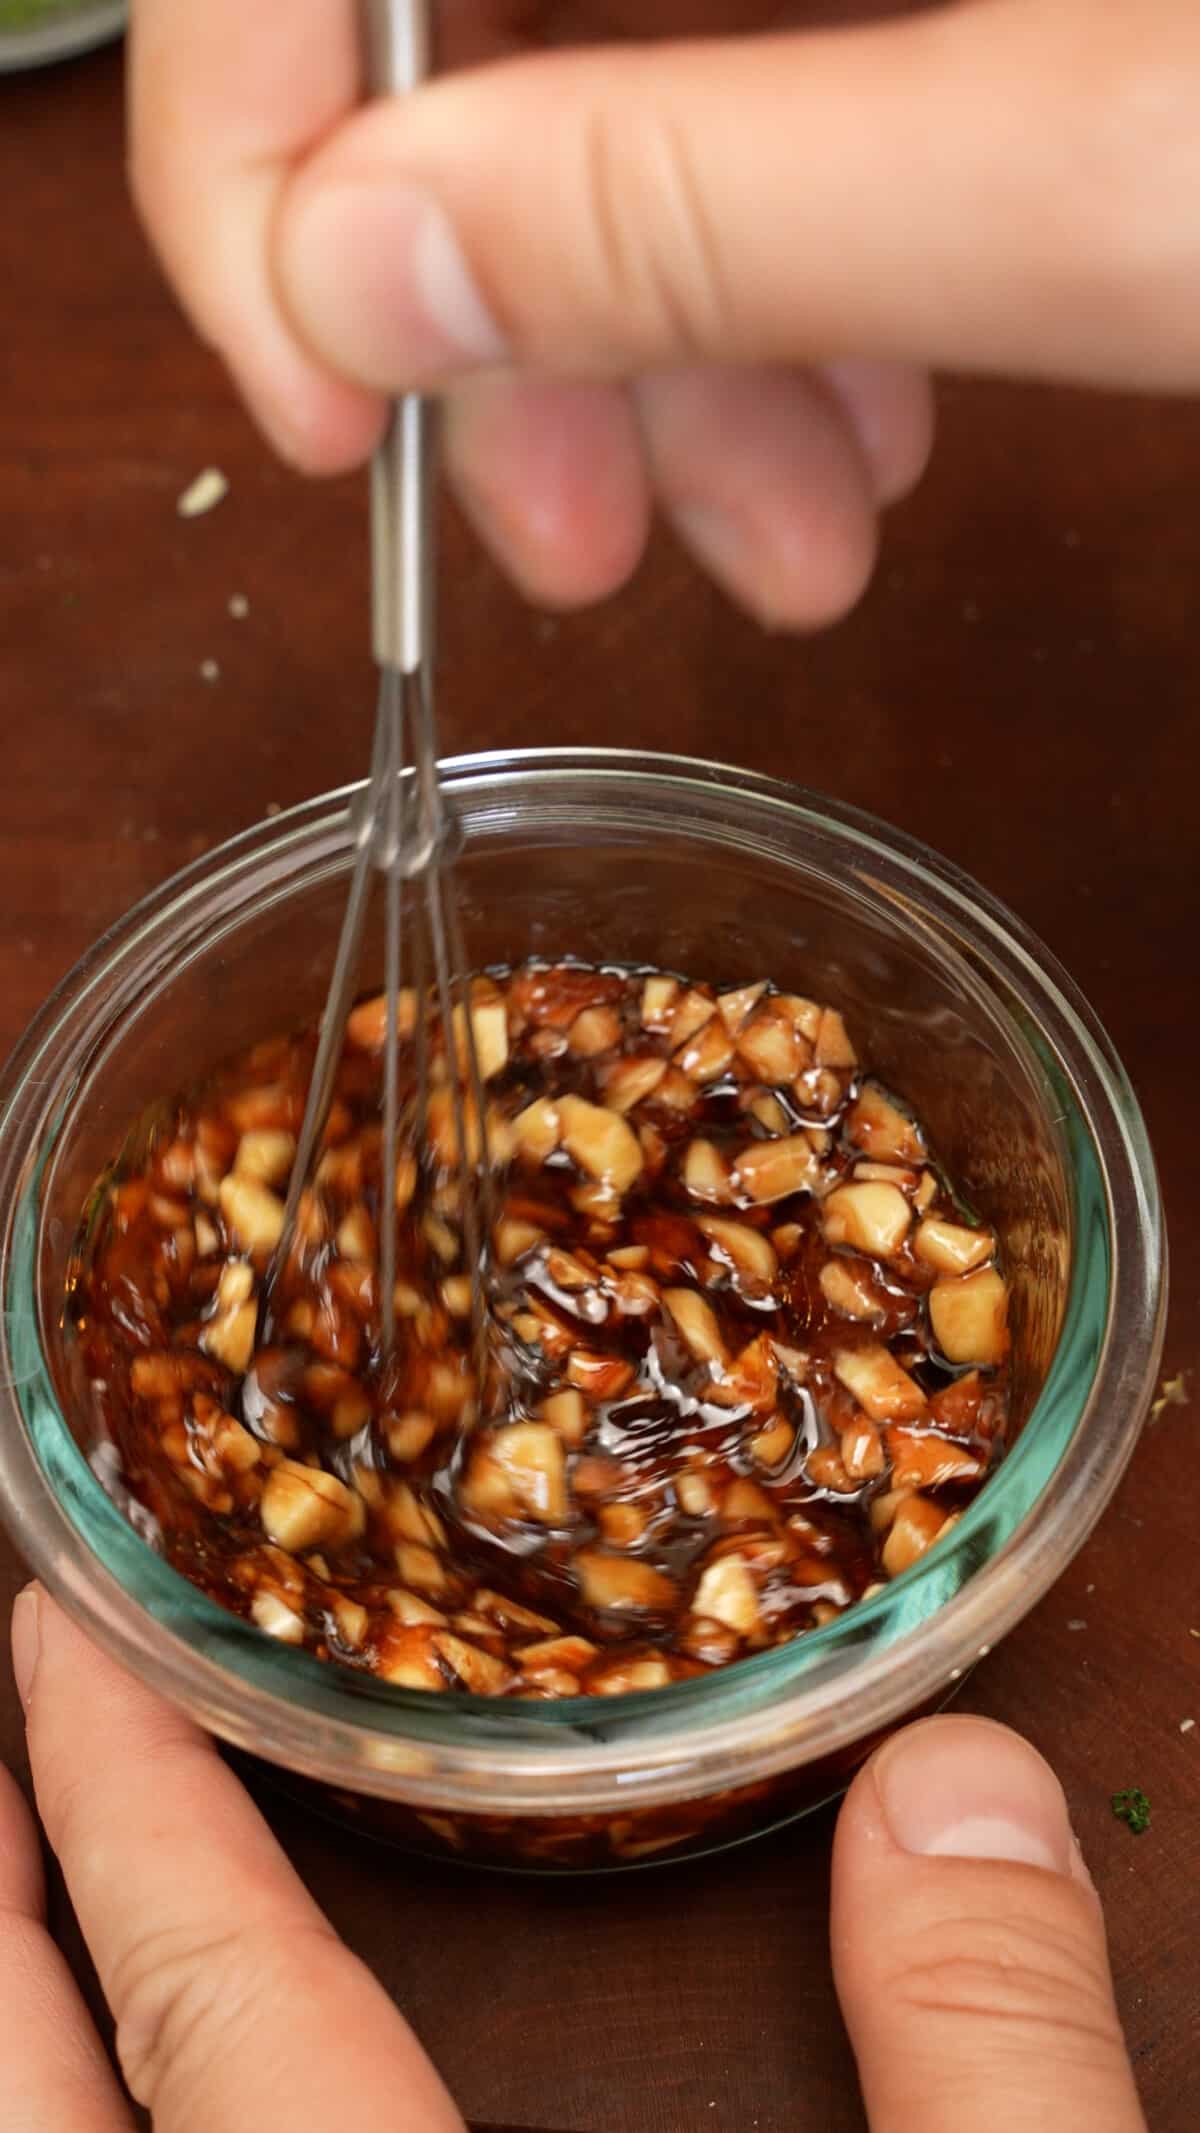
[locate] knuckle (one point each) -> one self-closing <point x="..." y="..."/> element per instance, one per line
<point x="163" y="1991"/>
<point x="184" y="2000"/>
<point x="1011" y="1973"/>
<point x="652" y="245"/>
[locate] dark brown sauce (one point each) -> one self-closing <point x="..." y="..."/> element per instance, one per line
<point x="669" y="1465"/>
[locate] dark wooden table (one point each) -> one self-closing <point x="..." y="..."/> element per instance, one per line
<point x="1021" y="689"/>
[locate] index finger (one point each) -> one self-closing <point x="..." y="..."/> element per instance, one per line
<point x="235" y="2003"/>
<point x="224" y="101"/>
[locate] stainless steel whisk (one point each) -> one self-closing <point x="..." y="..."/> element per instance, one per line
<point x="403" y="828"/>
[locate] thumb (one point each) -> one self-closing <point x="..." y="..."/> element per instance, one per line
<point x="968" y="1943"/>
<point x="1008" y="184"/>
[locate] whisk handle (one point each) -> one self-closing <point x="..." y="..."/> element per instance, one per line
<point x="398" y="56"/>
<point x="397" y="45"/>
<point x="402" y="540"/>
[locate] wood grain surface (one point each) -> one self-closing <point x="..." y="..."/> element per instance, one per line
<point x="1020" y="688"/>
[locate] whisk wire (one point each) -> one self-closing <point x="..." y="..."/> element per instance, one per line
<point x="458" y="962"/>
<point x="337" y="1006"/>
<point x="392" y="694"/>
<point x="403" y="834"/>
<point x="458" y="1034"/>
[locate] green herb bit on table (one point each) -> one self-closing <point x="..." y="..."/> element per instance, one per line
<point x="1133" y="1807"/>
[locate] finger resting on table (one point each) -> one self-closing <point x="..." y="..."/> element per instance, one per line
<point x="54" y="2076"/>
<point x="235" y="2003"/>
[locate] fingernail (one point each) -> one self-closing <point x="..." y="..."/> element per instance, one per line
<point x="967" y="1789"/>
<point x="379" y="285"/>
<point x="26" y="1641"/>
<point x="856" y="386"/>
<point x="715" y="540"/>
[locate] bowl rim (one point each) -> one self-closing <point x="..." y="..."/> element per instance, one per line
<point x="66" y="35"/>
<point x="769" y="1712"/>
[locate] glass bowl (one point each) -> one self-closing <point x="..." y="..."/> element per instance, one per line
<point x="35" y="33"/>
<point x="611" y="857"/>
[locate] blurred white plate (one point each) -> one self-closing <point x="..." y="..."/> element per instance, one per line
<point x="75" y="29"/>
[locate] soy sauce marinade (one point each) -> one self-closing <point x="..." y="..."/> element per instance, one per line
<point x="748" y="1359"/>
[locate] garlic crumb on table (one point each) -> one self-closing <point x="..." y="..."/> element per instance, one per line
<point x="202" y="495"/>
